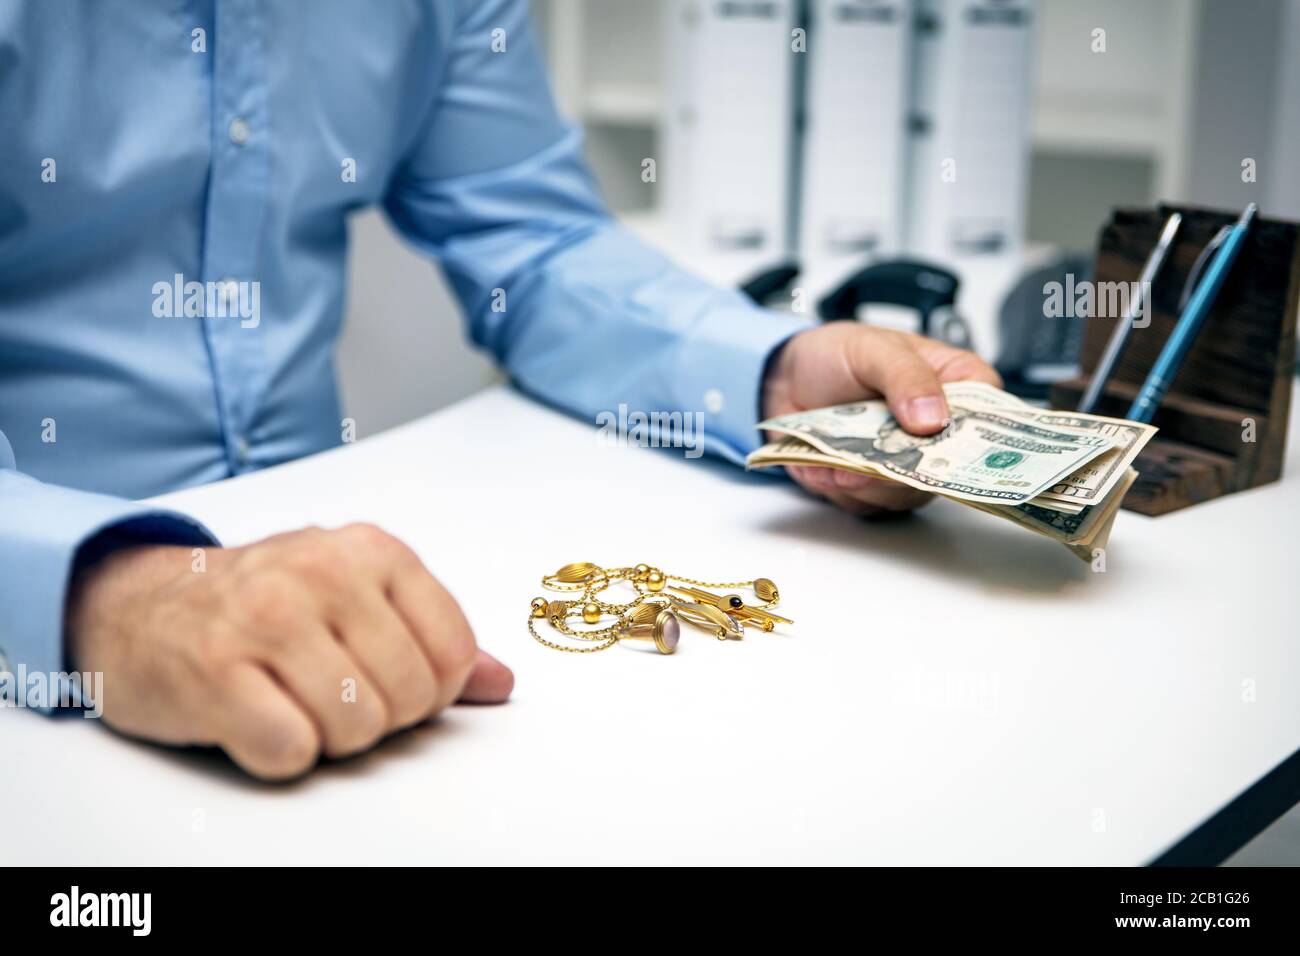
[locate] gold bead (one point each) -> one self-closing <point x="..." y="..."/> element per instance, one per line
<point x="641" y="571"/>
<point x="655" y="580"/>
<point x="590" y="613"/>
<point x="539" y="607"/>
<point x="766" y="590"/>
<point x="577" y="572"/>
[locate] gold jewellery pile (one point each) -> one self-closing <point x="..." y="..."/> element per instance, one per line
<point x="652" y="615"/>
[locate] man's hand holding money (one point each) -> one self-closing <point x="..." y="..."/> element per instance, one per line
<point x="847" y="361"/>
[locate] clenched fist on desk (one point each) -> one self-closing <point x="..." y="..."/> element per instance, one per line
<point x="305" y="643"/>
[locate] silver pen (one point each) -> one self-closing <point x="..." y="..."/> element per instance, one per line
<point x="1119" y="337"/>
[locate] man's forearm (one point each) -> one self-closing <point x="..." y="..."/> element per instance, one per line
<point x="607" y="321"/>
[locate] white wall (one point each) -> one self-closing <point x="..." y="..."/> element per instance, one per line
<point x="1282" y="194"/>
<point x="1236" y="99"/>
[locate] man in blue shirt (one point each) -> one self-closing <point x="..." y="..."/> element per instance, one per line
<point x="174" y="184"/>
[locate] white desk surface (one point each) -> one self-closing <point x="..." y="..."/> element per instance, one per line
<point x="954" y="690"/>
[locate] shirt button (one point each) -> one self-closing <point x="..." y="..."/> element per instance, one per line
<point x="242" y="450"/>
<point x="714" y="401"/>
<point x="239" y="131"/>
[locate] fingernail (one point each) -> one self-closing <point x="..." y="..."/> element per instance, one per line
<point x="927" y="412"/>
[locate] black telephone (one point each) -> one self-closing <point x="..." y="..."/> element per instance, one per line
<point x="929" y="290"/>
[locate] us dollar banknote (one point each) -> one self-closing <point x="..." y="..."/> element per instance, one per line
<point x="1094" y="481"/>
<point x="1080" y="533"/>
<point x="1091" y="483"/>
<point x="1077" y="510"/>
<point x="985" y="454"/>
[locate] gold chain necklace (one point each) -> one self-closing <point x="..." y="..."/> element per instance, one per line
<point x="652" y="615"/>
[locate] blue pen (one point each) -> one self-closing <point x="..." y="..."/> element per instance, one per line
<point x="1189" y="323"/>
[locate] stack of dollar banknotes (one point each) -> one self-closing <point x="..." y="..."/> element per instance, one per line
<point x="1060" y="474"/>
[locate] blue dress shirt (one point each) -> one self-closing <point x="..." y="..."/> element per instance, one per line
<point x="147" y="145"/>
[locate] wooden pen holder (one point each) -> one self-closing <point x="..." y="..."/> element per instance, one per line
<point x="1223" y="423"/>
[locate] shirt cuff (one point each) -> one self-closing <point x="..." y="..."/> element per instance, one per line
<point x="43" y="529"/>
<point x="720" y="367"/>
